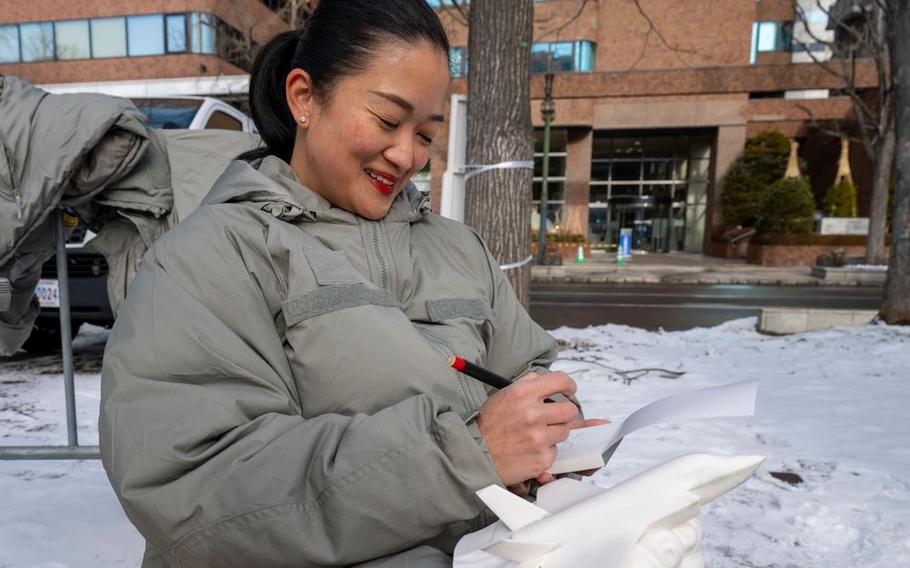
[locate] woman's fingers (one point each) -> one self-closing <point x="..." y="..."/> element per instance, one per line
<point x="563" y="412"/>
<point x="546" y="385"/>
<point x="587" y="423"/>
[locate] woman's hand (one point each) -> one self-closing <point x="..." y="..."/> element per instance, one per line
<point x="547" y="477"/>
<point x="521" y="431"/>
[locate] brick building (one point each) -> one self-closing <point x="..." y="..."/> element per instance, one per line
<point x="50" y="42"/>
<point x="648" y="118"/>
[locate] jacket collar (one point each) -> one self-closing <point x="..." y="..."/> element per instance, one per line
<point x="274" y="184"/>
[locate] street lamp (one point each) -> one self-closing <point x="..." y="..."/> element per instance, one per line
<point x="547" y="112"/>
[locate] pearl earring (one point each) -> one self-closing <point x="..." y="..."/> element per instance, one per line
<point x="302" y="120"/>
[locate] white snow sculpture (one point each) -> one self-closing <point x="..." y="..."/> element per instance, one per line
<point x="648" y="521"/>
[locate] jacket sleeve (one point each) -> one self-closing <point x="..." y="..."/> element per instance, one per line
<point x="518" y="344"/>
<point x="202" y="437"/>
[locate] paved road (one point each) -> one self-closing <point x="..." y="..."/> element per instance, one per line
<point x="675" y="307"/>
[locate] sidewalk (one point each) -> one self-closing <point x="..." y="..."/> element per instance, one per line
<point x="679" y="268"/>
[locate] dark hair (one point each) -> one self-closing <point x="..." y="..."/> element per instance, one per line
<point x="337" y="40"/>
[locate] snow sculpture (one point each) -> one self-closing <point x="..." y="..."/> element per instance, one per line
<point x="648" y="521"/>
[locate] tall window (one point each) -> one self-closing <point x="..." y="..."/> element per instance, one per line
<point x="202" y="33"/>
<point x="108" y="37"/>
<point x="9" y="44"/>
<point x="37" y="41"/>
<point x="458" y="61"/>
<point x="145" y="34"/>
<point x="176" y="33"/>
<point x="556" y="176"/>
<point x="72" y="39"/>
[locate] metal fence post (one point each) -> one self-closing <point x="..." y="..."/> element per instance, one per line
<point x="72" y="450"/>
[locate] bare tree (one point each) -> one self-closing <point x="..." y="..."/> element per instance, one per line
<point x="498" y="202"/>
<point x="859" y="35"/>
<point x="896" y="302"/>
<point x="294" y="12"/>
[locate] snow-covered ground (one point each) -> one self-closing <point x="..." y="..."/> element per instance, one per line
<point x="832" y="412"/>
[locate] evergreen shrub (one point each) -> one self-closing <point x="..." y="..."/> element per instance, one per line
<point x="787" y="208"/>
<point x="763" y="161"/>
<point x="840" y="200"/>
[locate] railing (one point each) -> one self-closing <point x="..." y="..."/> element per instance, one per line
<point x="72" y="450"/>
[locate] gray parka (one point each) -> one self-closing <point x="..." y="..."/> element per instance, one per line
<point x="275" y="391"/>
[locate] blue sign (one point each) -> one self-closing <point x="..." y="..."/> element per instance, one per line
<point x="625" y="242"/>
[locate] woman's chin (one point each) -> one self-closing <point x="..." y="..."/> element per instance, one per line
<point x="374" y="211"/>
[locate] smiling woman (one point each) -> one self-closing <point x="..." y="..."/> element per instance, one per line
<point x="276" y="389"/>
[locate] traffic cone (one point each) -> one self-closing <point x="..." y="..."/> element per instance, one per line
<point x="580" y="255"/>
<point x="620" y="259"/>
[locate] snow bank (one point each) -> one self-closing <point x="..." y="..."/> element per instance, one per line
<point x="831" y="413"/>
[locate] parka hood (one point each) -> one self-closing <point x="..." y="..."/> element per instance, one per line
<point x="273" y="182"/>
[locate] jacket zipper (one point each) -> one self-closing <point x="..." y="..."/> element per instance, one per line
<point x="471" y="405"/>
<point x="377" y="248"/>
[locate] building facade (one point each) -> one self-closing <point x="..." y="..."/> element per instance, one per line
<point x="50" y="42"/>
<point x="652" y="104"/>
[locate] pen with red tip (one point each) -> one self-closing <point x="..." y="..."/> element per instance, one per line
<point x="483" y="375"/>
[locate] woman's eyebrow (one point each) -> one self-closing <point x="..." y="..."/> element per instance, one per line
<point x="405" y="105"/>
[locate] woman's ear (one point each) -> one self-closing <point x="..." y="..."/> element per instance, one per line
<point x="299" y="93"/>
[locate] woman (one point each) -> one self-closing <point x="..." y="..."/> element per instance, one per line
<point x="276" y="389"/>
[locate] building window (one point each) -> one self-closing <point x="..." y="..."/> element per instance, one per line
<point x="37" y="41"/>
<point x="771" y="36"/>
<point x="145" y="35"/>
<point x="202" y="33"/>
<point x="72" y="39"/>
<point x="556" y="176"/>
<point x="109" y="37"/>
<point x="176" y="33"/>
<point x="9" y="44"/>
<point x="640" y="183"/>
<point x="559" y="56"/>
<point x="562" y="56"/>
<point x="458" y="61"/>
<point x="150" y="34"/>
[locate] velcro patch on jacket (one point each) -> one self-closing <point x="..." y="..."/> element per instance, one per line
<point x="334" y="298"/>
<point x="331" y="268"/>
<point x="443" y="309"/>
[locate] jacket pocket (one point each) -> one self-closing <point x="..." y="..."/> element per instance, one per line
<point x="333" y="298"/>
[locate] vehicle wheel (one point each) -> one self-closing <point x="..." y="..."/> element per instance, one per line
<point x="45" y="337"/>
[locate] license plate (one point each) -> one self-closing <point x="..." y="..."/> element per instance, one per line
<point x="48" y="292"/>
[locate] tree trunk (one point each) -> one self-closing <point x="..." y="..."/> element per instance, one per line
<point x="878" y="214"/>
<point x="498" y="202"/>
<point x="896" y="303"/>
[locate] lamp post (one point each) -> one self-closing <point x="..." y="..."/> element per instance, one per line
<point x="547" y="112"/>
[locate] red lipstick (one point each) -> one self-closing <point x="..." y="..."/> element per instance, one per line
<point x="384" y="188"/>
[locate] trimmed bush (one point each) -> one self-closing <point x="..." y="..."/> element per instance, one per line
<point x="788" y="208"/>
<point x="763" y="161"/>
<point x="840" y="200"/>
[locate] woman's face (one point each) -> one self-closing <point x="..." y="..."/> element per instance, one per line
<point x="360" y="148"/>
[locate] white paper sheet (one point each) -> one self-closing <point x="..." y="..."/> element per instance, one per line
<point x="591" y="448"/>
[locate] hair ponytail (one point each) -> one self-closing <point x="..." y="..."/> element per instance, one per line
<point x="268" y="104"/>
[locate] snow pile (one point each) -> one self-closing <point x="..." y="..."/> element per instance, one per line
<point x="834" y="491"/>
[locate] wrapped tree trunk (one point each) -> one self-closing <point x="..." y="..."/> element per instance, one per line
<point x="896" y="303"/>
<point x="498" y="202"/>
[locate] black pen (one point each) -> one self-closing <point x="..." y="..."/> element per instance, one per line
<point x="483" y="375"/>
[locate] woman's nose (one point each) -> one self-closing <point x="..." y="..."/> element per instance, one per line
<point x="401" y="154"/>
